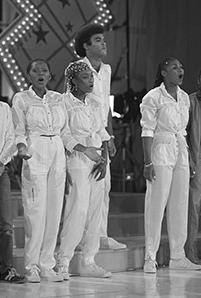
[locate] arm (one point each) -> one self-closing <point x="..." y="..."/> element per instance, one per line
<point x="149" y="173"/>
<point x="9" y="147"/>
<point x="99" y="169"/>
<point x="19" y="120"/>
<point x="111" y="145"/>
<point x="148" y="122"/>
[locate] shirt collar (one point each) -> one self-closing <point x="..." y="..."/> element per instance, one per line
<point x="75" y="99"/>
<point x="34" y="93"/>
<point x="163" y="89"/>
<point x="86" y="60"/>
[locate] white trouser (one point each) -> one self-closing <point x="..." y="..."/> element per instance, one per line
<point x="82" y="215"/>
<point x="170" y="190"/>
<point x="105" y="206"/>
<point x="43" y="180"/>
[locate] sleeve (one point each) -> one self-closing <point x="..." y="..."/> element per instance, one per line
<point x="9" y="147"/>
<point x="19" y="119"/>
<point x="148" y="109"/>
<point x="66" y="135"/>
<point x="104" y="135"/>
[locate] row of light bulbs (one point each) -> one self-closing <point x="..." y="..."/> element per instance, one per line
<point x="32" y="17"/>
<point x="104" y="15"/>
<point x="10" y="40"/>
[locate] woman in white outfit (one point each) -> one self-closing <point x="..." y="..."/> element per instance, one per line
<point x="165" y="112"/>
<point x="82" y="215"/>
<point x="40" y="125"/>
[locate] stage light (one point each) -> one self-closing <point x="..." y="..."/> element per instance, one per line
<point x="28" y="18"/>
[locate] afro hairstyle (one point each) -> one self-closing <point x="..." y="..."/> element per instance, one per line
<point x="84" y="35"/>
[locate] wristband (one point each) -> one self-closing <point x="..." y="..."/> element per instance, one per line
<point x="148" y="165"/>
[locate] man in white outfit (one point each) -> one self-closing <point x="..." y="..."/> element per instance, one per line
<point x="91" y="46"/>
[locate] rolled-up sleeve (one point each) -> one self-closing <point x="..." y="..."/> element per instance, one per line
<point x="148" y="121"/>
<point x="19" y="119"/>
<point x="104" y="135"/>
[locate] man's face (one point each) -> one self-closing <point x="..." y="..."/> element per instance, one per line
<point x="97" y="47"/>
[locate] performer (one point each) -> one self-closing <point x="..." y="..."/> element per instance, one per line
<point x="7" y="149"/>
<point x="164" y="119"/>
<point x="91" y="46"/>
<point x="82" y="215"/>
<point x="194" y="141"/>
<point x="40" y="125"/>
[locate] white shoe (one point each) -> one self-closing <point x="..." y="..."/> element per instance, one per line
<point x="51" y="275"/>
<point x="63" y="270"/>
<point x="32" y="275"/>
<point x="183" y="264"/>
<point x="110" y="243"/>
<point x="61" y="265"/>
<point x="150" y="266"/>
<point x="93" y="270"/>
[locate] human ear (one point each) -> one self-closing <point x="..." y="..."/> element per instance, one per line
<point x="163" y="73"/>
<point x="74" y="81"/>
<point x="85" y="46"/>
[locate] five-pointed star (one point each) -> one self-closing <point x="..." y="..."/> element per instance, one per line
<point x="69" y="26"/>
<point x="40" y="33"/>
<point x="64" y="2"/>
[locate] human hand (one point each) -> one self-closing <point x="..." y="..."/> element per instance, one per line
<point x="149" y="172"/>
<point x="23" y="152"/>
<point x="99" y="171"/>
<point x="91" y="153"/>
<point x="111" y="147"/>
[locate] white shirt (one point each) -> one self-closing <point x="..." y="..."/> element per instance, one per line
<point x="35" y="116"/>
<point x="165" y="119"/>
<point x="84" y="122"/>
<point x="101" y="89"/>
<point x="161" y="113"/>
<point x="7" y="135"/>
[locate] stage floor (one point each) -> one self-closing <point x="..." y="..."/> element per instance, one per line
<point x="166" y="283"/>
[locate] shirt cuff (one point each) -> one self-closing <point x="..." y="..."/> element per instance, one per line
<point x="147" y="133"/>
<point x="70" y="145"/>
<point x="21" y="139"/>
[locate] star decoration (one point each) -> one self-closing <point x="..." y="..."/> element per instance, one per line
<point x="69" y="26"/>
<point x="64" y="2"/>
<point x="40" y="33"/>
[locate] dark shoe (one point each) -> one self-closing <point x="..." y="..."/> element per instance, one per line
<point x="12" y="276"/>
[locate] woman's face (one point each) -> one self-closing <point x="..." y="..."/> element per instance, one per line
<point x="173" y="73"/>
<point x="84" y="81"/>
<point x="39" y="74"/>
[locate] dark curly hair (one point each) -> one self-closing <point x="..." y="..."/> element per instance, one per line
<point x="84" y="35"/>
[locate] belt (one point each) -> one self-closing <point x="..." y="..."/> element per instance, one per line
<point x="48" y="136"/>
